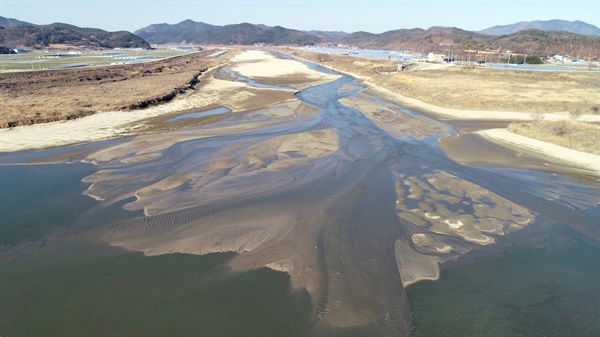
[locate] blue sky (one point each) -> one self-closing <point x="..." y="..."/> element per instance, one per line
<point x="374" y="16"/>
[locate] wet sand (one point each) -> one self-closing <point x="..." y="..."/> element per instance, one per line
<point x="478" y="118"/>
<point x="557" y="153"/>
<point x="344" y="191"/>
<point x="210" y="93"/>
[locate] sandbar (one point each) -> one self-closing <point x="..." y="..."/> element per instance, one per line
<point x="210" y="93"/>
<point x="556" y="153"/>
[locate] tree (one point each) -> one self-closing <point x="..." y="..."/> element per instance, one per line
<point x="533" y="59"/>
<point x="516" y="59"/>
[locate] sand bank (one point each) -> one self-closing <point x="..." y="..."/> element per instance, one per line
<point x="236" y="96"/>
<point x="456" y="114"/>
<point x="442" y="227"/>
<point x="553" y="152"/>
<point x="265" y="68"/>
<point x="499" y="136"/>
<point x="414" y="266"/>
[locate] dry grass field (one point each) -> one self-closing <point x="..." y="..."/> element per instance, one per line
<point x="52" y="95"/>
<point x="477" y="88"/>
<point x="572" y="134"/>
<point x="531" y="92"/>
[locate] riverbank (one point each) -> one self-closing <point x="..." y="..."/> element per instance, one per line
<point x="211" y="92"/>
<point x="556" y="153"/>
<point x="37" y="97"/>
<point x="482" y="90"/>
<point x="214" y="92"/>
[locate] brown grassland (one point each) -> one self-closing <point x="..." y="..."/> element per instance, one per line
<point x="576" y="135"/>
<point x="45" y="96"/>
<point x="471" y="88"/>
<point x="468" y="88"/>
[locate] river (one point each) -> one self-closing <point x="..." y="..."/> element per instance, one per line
<point x="328" y="217"/>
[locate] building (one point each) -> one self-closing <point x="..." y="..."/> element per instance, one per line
<point x="435" y="58"/>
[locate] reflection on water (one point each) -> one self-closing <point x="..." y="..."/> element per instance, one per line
<point x="351" y="200"/>
<point x="80" y="290"/>
<point x="212" y="112"/>
<point x="36" y="199"/>
<point x="544" y="282"/>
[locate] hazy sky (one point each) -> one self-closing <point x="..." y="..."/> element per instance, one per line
<point x="375" y="16"/>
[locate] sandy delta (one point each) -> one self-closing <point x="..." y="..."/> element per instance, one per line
<point x="240" y="96"/>
<point x="238" y="177"/>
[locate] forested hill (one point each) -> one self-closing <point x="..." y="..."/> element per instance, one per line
<point x="577" y="27"/>
<point x="34" y="36"/>
<point x="191" y="32"/>
<point x="450" y="39"/>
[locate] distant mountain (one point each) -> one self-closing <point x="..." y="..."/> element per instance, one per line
<point x="434" y="39"/>
<point x="447" y="40"/>
<point x="539" y="42"/>
<point x="191" y="32"/>
<point x="577" y="27"/>
<point x="13" y="22"/>
<point x="326" y="35"/>
<point x="33" y="36"/>
<point x="325" y="32"/>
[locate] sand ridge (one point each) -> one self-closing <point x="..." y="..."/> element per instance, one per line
<point x="255" y="63"/>
<point x="211" y="92"/>
<point x="443" y="229"/>
<point x="557" y="153"/>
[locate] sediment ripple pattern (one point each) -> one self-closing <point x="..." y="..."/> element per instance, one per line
<point x="348" y="199"/>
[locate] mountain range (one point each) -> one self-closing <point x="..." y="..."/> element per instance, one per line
<point x="546" y="38"/>
<point x="434" y="39"/>
<point x="15" y="33"/>
<point x="577" y="27"/>
<point x="189" y="31"/>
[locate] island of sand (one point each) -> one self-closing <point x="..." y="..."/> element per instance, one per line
<point x="337" y="193"/>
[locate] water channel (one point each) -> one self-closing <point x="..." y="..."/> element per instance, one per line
<point x="201" y="232"/>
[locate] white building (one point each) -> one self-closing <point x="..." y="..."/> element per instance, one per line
<point x="435" y="58"/>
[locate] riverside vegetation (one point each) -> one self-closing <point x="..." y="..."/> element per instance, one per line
<point x="46" y="96"/>
<point x="573" y="134"/>
<point x="533" y="93"/>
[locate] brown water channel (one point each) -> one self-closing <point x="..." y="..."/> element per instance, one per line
<point x="353" y="206"/>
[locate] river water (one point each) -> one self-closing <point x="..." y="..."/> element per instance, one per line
<point x="354" y="227"/>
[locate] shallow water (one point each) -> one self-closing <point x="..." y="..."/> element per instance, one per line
<point x="332" y="216"/>
<point x="212" y="112"/>
<point x="36" y="199"/>
<point x="542" y="282"/>
<point x="79" y="290"/>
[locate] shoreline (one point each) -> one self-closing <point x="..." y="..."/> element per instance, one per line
<point x="210" y="93"/>
<point x="556" y="153"/>
<point x="501" y="137"/>
<point x="119" y="124"/>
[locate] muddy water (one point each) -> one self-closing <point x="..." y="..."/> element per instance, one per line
<point x="319" y="190"/>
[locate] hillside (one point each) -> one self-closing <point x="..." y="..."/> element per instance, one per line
<point x="13" y="22"/>
<point x="33" y="36"/>
<point x="435" y="39"/>
<point x="533" y="41"/>
<point x="577" y="27"/>
<point x="453" y="40"/>
<point x="191" y="32"/>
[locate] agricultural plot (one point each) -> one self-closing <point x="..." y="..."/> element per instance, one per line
<point x="60" y="60"/>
